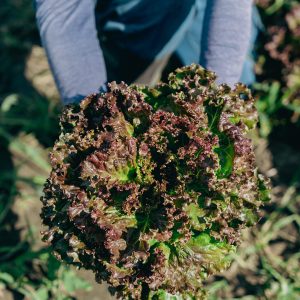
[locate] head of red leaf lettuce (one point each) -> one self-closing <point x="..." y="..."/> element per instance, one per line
<point x="150" y="187"/>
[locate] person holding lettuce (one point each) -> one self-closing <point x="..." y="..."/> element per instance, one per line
<point x="89" y="42"/>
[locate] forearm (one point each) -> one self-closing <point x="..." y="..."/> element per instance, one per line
<point x="226" y="36"/>
<point x="69" y="35"/>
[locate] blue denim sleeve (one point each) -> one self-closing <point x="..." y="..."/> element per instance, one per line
<point x="226" y="37"/>
<point x="69" y="36"/>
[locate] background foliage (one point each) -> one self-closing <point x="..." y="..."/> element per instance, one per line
<point x="267" y="264"/>
<point x="278" y="64"/>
